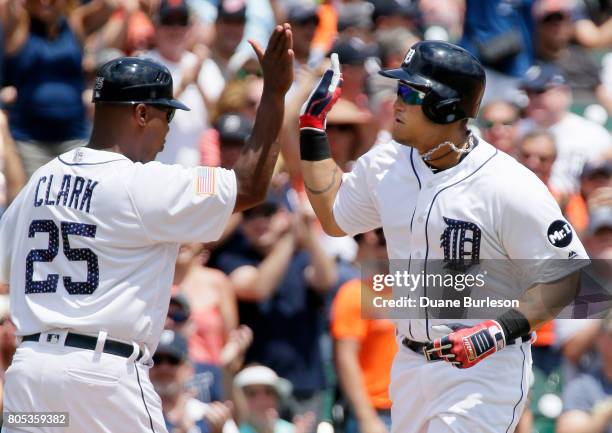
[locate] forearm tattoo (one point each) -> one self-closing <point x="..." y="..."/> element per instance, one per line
<point x="327" y="188"/>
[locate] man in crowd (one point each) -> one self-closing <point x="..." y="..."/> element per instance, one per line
<point x="170" y="375"/>
<point x="578" y="140"/>
<point x="587" y="400"/>
<point x="499" y="121"/>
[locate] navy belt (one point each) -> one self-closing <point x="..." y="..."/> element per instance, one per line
<point x="88" y="342"/>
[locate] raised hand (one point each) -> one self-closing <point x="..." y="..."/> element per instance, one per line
<point x="323" y="97"/>
<point x="277" y="61"/>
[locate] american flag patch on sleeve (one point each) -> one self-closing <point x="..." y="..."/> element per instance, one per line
<point x="205" y="181"/>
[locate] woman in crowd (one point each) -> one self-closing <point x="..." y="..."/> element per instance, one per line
<point x="43" y="48"/>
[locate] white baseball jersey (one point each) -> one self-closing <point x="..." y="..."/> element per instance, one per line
<point x="91" y="241"/>
<point x="486" y="207"/>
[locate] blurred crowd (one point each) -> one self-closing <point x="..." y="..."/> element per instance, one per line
<point x="264" y="332"/>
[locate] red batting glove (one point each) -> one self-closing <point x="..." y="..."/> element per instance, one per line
<point x="465" y="347"/>
<point x="314" y="111"/>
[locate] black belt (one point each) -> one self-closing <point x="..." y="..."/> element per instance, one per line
<point x="88" y="342"/>
<point x="417" y="346"/>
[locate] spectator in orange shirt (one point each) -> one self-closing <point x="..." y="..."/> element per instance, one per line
<point x="364" y="348"/>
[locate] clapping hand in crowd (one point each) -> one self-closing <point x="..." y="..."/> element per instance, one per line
<point x="238" y="342"/>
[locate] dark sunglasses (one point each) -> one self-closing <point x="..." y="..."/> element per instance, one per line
<point x="488" y="124"/>
<point x="175" y="21"/>
<point x="536" y="92"/>
<point x="166" y="359"/>
<point x="542" y="158"/>
<point x="168" y="110"/>
<point x="178" y="316"/>
<point x="555" y="17"/>
<point x="408" y="95"/>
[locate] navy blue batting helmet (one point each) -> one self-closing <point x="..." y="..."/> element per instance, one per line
<point x="135" y="80"/>
<point x="452" y="79"/>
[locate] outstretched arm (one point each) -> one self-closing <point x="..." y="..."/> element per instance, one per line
<point x="258" y="157"/>
<point x="322" y="176"/>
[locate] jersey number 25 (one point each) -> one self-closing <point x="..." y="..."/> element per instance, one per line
<point x="73" y="254"/>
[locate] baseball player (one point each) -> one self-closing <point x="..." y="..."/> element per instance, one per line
<point x="440" y="193"/>
<point x="89" y="246"/>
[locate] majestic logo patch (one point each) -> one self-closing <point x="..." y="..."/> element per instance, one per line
<point x="560" y="234"/>
<point x="461" y="244"/>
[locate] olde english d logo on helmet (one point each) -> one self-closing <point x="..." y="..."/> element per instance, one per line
<point x="560" y="233"/>
<point x="408" y="56"/>
<point x="461" y="244"/>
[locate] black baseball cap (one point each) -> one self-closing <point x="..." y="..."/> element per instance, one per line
<point x="389" y="8"/>
<point x="168" y="8"/>
<point x="233" y="127"/>
<point x="301" y="13"/>
<point x="135" y="80"/>
<point x="174" y="344"/>
<point x="542" y="77"/>
<point x="232" y="10"/>
<point x="591" y="169"/>
<point x="353" y="51"/>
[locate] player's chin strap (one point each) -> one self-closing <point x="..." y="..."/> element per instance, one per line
<point x="427" y="156"/>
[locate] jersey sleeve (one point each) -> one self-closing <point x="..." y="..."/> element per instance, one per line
<point x="535" y="234"/>
<point x="354" y="208"/>
<point x="5" y="247"/>
<point x="177" y="204"/>
<point x="8" y="222"/>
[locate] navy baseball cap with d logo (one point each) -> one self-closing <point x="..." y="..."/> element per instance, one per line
<point x="129" y="80"/>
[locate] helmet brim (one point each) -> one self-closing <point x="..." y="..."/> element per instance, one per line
<point x="411" y="79"/>
<point x="174" y="103"/>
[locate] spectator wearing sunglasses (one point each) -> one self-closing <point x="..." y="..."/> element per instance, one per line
<point x="498" y="122"/>
<point x="578" y="140"/>
<point x="190" y="71"/>
<point x="170" y="375"/>
<point x="555" y="25"/>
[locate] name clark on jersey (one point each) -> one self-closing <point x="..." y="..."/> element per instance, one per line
<point x="72" y="191"/>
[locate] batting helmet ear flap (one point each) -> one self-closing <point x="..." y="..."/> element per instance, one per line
<point x="442" y="109"/>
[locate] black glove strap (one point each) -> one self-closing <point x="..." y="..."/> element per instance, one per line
<point x="514" y="324"/>
<point x="314" y="145"/>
